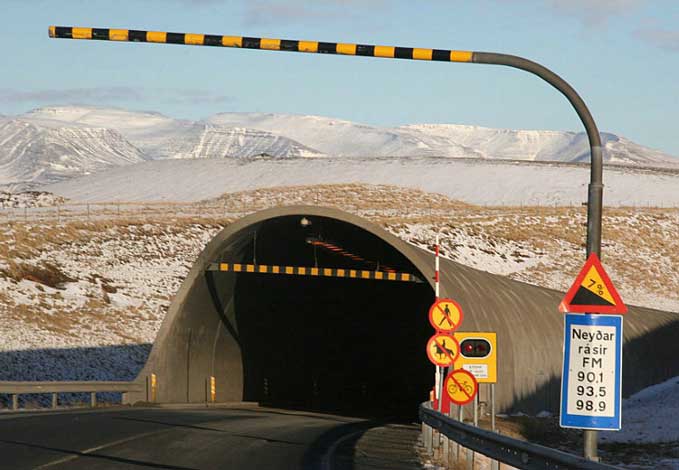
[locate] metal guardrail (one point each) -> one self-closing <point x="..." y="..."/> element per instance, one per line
<point x="14" y="389"/>
<point x="504" y="449"/>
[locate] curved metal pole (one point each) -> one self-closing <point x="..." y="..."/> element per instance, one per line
<point x="596" y="187"/>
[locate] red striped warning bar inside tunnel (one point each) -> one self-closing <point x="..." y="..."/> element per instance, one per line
<point x="313" y="271"/>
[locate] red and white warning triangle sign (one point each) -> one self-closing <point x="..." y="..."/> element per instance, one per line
<point x="592" y="291"/>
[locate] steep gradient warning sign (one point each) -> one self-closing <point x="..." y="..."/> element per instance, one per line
<point x="593" y="291"/>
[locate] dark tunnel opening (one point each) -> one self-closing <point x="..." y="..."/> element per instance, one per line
<point x="333" y="344"/>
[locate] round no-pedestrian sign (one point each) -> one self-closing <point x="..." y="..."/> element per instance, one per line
<point x="445" y="315"/>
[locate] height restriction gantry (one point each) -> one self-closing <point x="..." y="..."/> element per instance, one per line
<point x="595" y="193"/>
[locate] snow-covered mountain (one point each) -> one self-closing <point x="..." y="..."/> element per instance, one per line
<point x="130" y="136"/>
<point x="30" y="153"/>
<point x="345" y="138"/>
<point x="209" y="141"/>
<point x="160" y="137"/>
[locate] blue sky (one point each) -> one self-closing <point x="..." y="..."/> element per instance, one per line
<point x="622" y="56"/>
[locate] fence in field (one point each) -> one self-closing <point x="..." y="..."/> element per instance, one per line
<point x="154" y="211"/>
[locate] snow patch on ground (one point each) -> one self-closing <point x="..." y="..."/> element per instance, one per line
<point x="649" y="416"/>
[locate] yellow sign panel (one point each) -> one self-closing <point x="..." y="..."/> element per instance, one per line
<point x="442" y="350"/>
<point x="478" y="354"/>
<point x="596" y="285"/>
<point x="445" y="315"/>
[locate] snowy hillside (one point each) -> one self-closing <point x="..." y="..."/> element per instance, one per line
<point x="160" y="137"/>
<point x="345" y="138"/>
<point x="30" y="153"/>
<point x="210" y="141"/>
<point x="155" y="134"/>
<point x="474" y="181"/>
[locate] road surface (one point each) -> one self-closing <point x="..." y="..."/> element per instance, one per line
<point x="238" y="437"/>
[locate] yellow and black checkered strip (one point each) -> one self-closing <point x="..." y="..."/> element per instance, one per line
<point x="414" y="53"/>
<point x="311" y="271"/>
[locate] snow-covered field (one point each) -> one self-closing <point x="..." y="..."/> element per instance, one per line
<point x="109" y="280"/>
<point x="649" y="416"/>
<point x="474" y="181"/>
<point x="83" y="299"/>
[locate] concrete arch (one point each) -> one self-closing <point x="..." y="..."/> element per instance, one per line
<point x="206" y="332"/>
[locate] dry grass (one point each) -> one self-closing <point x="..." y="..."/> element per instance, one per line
<point x="349" y="197"/>
<point x="641" y="246"/>
<point x="46" y="274"/>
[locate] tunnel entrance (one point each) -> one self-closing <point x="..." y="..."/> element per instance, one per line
<point x="336" y="343"/>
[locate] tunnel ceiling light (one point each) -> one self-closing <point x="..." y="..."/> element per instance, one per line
<point x="332" y="247"/>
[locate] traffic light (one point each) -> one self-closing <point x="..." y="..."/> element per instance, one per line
<point x="475" y="348"/>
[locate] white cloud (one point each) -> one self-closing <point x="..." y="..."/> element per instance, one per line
<point x="9" y="95"/>
<point x="662" y="38"/>
<point x="271" y="11"/>
<point x="590" y="12"/>
<point x="595" y="12"/>
<point x="100" y="95"/>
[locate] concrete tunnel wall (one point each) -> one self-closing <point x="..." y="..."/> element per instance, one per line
<point x="196" y="340"/>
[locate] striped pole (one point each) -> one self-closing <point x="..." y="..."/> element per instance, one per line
<point x="438" y="379"/>
<point x="436" y="268"/>
<point x="595" y="189"/>
<point x="132" y="35"/>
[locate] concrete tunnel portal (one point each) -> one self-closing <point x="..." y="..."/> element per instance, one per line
<point x="329" y="343"/>
<point x="352" y="344"/>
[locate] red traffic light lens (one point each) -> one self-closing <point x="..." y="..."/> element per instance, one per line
<point x="475" y="348"/>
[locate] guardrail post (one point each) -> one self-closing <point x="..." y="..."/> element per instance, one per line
<point x="93" y="399"/>
<point x="54" y="400"/>
<point x="427" y="436"/>
<point x="15" y="401"/>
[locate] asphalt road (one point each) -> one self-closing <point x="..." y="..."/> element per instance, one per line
<point x="201" y="438"/>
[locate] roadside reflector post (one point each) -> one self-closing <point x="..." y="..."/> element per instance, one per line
<point x="93" y="399"/>
<point x="15" y="401"/>
<point x="210" y="389"/>
<point x="54" y="400"/>
<point x="151" y="388"/>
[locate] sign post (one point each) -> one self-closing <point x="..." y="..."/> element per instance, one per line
<point x="592" y="367"/>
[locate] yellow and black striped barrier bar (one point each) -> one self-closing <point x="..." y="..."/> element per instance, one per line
<point x="313" y="271"/>
<point x="131" y="35"/>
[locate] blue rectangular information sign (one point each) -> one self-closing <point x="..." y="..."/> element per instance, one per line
<point x="591" y="391"/>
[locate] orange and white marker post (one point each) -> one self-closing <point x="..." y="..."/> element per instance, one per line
<point x="439" y="372"/>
